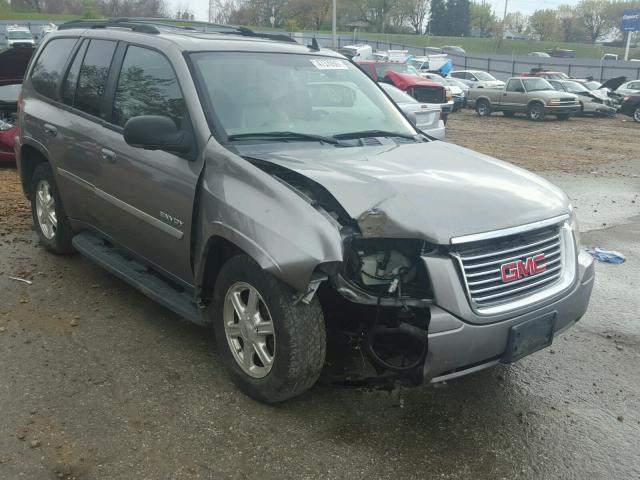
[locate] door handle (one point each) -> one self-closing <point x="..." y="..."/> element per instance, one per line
<point x="50" y="130"/>
<point x="108" y="155"/>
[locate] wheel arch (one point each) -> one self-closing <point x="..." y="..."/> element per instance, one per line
<point x="32" y="154"/>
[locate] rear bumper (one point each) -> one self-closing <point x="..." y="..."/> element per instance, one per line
<point x="458" y="348"/>
<point x="437" y="132"/>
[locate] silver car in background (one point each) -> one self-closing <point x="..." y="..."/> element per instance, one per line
<point x="593" y="102"/>
<point x="427" y="117"/>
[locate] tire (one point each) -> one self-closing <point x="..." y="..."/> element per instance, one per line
<point x="636" y="115"/>
<point x="49" y="218"/>
<point x="508" y="114"/>
<point x="483" y="108"/>
<point x="563" y="117"/>
<point x="296" y="346"/>
<point x="536" y="112"/>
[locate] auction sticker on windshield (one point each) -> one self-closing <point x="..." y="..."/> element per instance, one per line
<point x="329" y="64"/>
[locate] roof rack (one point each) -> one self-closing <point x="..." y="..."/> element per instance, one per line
<point x="153" y="26"/>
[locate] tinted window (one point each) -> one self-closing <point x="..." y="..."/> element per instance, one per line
<point x="513" y="85"/>
<point x="47" y="71"/>
<point x="147" y="86"/>
<point x="69" y="86"/>
<point x="457" y="74"/>
<point x="93" y="76"/>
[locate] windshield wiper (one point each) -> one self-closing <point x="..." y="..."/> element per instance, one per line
<point x="283" y="136"/>
<point x="374" y="133"/>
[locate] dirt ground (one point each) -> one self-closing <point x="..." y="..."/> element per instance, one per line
<point x="98" y="382"/>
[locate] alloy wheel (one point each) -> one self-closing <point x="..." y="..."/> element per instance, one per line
<point x="46" y="210"/>
<point x="249" y="330"/>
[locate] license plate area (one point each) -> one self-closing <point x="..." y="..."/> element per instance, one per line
<point x="529" y="336"/>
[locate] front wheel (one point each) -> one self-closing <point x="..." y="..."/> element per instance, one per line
<point x="483" y="108"/>
<point x="636" y="115"/>
<point x="535" y="112"/>
<point x="563" y="116"/>
<point x="273" y="348"/>
<point x="49" y="218"/>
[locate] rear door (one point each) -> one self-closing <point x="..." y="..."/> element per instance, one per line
<point x="79" y="122"/>
<point x="149" y="195"/>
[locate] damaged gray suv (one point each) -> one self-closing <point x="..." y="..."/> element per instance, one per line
<point x="274" y="191"/>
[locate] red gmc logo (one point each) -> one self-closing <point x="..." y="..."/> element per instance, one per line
<point x="522" y="268"/>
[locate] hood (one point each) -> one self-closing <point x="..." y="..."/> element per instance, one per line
<point x="614" y="83"/>
<point x="13" y="65"/>
<point x="404" y="80"/>
<point x="432" y="191"/>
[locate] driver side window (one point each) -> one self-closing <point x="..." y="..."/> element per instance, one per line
<point x="515" y="86"/>
<point x="147" y="86"/>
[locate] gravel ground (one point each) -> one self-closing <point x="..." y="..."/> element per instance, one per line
<point x="98" y="382"/>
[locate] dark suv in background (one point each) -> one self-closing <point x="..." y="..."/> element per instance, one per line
<point x="275" y="191"/>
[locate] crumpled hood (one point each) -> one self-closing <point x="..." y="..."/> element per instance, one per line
<point x="432" y="191"/>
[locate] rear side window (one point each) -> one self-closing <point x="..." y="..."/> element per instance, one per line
<point x="93" y="76"/>
<point x="70" y="83"/>
<point x="147" y="85"/>
<point x="48" y="70"/>
<point x="514" y="86"/>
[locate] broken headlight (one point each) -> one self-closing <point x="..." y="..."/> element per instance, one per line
<point x="5" y="125"/>
<point x="573" y="224"/>
<point x="388" y="267"/>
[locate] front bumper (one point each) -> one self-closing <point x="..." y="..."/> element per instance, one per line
<point x="457" y="347"/>
<point x="562" y="109"/>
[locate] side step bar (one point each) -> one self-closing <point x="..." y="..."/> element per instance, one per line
<point x="137" y="275"/>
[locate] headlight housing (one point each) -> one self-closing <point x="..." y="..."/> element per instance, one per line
<point x="575" y="227"/>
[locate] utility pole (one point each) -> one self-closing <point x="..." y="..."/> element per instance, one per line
<point x="333" y="26"/>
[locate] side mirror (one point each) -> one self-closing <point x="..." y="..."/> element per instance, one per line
<point x="155" y="132"/>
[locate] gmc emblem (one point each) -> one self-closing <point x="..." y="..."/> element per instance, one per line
<point x="522" y="268"/>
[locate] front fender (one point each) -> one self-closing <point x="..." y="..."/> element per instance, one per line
<point x="278" y="228"/>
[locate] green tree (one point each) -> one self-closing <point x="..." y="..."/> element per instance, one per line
<point x="545" y="23"/>
<point x="596" y="16"/>
<point x="482" y="17"/>
<point x="438" y="19"/>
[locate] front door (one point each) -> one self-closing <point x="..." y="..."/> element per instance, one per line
<point x="148" y="195"/>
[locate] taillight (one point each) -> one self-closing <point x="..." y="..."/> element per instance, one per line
<point x="19" y="113"/>
<point x="627" y="98"/>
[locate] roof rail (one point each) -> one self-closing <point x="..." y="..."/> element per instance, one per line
<point x="112" y="22"/>
<point x="152" y="25"/>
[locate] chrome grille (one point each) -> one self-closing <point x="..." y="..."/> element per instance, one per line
<point x="481" y="265"/>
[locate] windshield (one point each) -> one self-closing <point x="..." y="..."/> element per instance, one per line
<point x="10" y="93"/>
<point x="593" y="85"/>
<point x="575" y="87"/>
<point x="557" y="76"/>
<point x="536" y="84"/>
<point x="397" y="95"/>
<point x="381" y="68"/>
<point x="270" y="92"/>
<point x="484" y="76"/>
<point x="19" y="36"/>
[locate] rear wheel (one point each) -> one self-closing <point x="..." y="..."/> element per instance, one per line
<point x="636" y="115"/>
<point x="563" y="117"/>
<point x="508" y="114"/>
<point x="535" y="112"/>
<point x="272" y="348"/>
<point x="49" y="218"/>
<point x="483" y="108"/>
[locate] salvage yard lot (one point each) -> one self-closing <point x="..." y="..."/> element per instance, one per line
<point x="98" y="382"/>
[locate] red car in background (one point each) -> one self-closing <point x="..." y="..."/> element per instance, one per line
<point x="409" y="80"/>
<point x="13" y="65"/>
<point x="8" y="129"/>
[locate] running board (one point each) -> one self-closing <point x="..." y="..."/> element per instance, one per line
<point x="137" y="275"/>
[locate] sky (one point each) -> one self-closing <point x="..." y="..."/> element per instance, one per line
<point x="200" y="7"/>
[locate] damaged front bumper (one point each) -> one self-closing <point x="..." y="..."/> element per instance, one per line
<point x="458" y="347"/>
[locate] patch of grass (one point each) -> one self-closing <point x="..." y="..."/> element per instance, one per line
<point x="6" y="14"/>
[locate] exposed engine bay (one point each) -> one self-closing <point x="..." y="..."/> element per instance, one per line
<point x="376" y="303"/>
